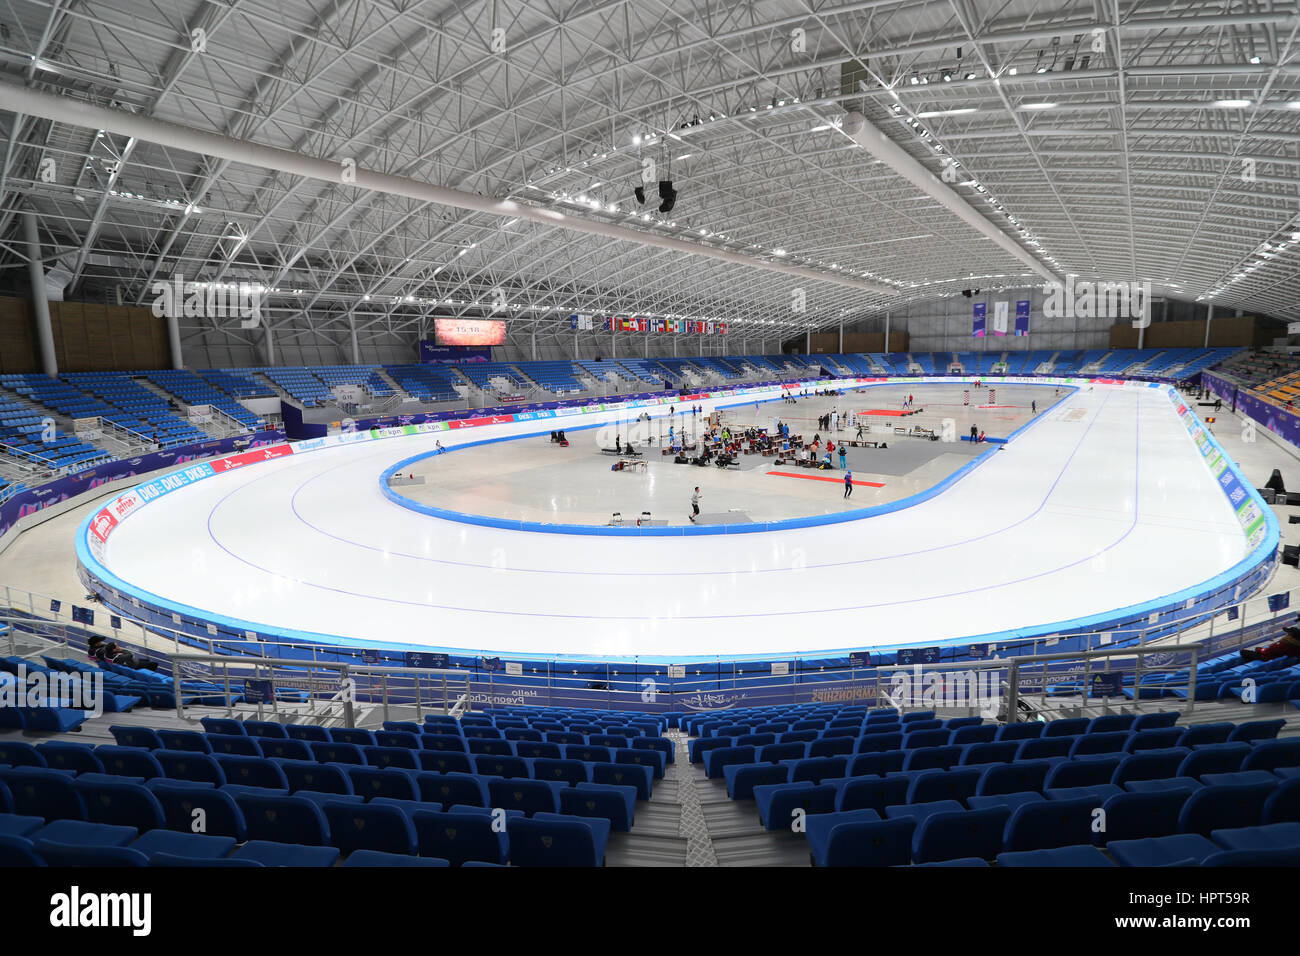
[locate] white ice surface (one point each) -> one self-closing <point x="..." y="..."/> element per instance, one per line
<point x="1078" y="516"/>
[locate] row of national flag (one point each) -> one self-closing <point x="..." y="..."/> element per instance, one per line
<point x="616" y="323"/>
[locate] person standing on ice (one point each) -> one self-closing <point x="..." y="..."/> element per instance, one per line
<point x="695" y="505"/>
<point x="848" y="484"/>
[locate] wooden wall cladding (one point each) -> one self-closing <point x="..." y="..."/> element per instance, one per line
<point x="18" y="349"/>
<point x="89" y="337"/>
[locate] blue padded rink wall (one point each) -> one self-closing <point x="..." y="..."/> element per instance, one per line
<point x="1100" y="510"/>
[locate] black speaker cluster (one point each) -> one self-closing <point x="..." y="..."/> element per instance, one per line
<point x="667" y="195"/>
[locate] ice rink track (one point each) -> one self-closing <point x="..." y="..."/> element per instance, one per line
<point x="1101" y="503"/>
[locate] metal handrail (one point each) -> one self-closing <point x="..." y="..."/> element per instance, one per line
<point x="347" y="673"/>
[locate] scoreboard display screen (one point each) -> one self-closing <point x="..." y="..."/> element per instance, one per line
<point x="469" y="331"/>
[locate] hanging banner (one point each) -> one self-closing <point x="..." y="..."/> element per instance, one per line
<point x="1000" y="318"/>
<point x="1022" y="317"/>
<point x="981" y="310"/>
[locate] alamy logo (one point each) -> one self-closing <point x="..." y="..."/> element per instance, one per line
<point x="980" y="690"/>
<point x="54" y="689"/>
<point x="1109" y="300"/>
<point x="209" y="300"/>
<point x="74" y="909"/>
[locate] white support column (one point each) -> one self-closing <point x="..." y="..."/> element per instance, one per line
<point x="268" y="343"/>
<point x="534" y="340"/>
<point x="40" y="304"/>
<point x="352" y="334"/>
<point x="1209" y="317"/>
<point x="174" y="337"/>
<point x="841" y="337"/>
<point x="807" y="342"/>
<point x="886" y="333"/>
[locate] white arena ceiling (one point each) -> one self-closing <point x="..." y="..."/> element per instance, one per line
<point x="1122" y="141"/>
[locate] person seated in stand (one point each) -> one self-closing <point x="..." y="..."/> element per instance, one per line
<point x="1288" y="646"/>
<point x="826" y="462"/>
<point x="125" y="658"/>
<point x="96" y="649"/>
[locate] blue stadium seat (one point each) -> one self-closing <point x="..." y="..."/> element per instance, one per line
<point x="1226" y="807"/>
<point x="777" y="802"/>
<point x="128" y="762"/>
<point x="397" y="757"/>
<point x="954" y="835"/>
<point x="194" y="846"/>
<point x="371" y="782"/>
<point x="450" y="789"/>
<point x="16" y="851"/>
<point x="288" y="819"/>
<point x="1253" y="730"/>
<point x="235" y="744"/>
<point x="615" y="804"/>
<point x="1150" y="765"/>
<point x="1136" y="816"/>
<point x="1276" y="836"/>
<point x="76" y="855"/>
<point x="223" y="725"/>
<point x="1272" y="754"/>
<point x="529" y="796"/>
<point x="45" y="793"/>
<point x="143" y="737"/>
<point x="190" y="740"/>
<point x="567" y="771"/>
<point x="284" y="748"/>
<point x="1017" y="777"/>
<point x="930" y="785"/>
<point x="77" y="758"/>
<point x="371" y="826"/>
<point x="378" y="858"/>
<point x="552" y="840"/>
<point x="509" y="767"/>
<point x="870" y="843"/>
<point x="1186" y="849"/>
<point x="253" y="771"/>
<point x="1082" y="773"/>
<point x="1205" y="734"/>
<point x="122" y="804"/>
<point x="265" y="728"/>
<point x="1066" y="856"/>
<point x="459" y="837"/>
<point x="1214" y="758"/>
<point x="18" y="753"/>
<point x="273" y="853"/>
<point x="185" y="808"/>
<point x="1043" y="826"/>
<point x="201" y="768"/>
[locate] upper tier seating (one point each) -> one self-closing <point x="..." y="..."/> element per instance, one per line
<point x="191" y="389"/>
<point x="136" y="408"/>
